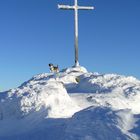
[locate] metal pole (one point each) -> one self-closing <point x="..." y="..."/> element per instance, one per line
<point x="76" y="33"/>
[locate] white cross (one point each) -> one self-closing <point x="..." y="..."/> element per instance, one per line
<point x="75" y="7"/>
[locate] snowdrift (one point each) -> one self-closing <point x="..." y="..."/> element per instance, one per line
<point x="50" y="97"/>
<point x="72" y="105"/>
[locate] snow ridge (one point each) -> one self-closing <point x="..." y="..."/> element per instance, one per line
<point x="79" y="103"/>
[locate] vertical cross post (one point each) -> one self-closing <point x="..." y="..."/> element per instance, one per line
<point x="76" y="34"/>
<point x="75" y="7"/>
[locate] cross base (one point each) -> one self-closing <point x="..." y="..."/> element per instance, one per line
<point x="77" y="64"/>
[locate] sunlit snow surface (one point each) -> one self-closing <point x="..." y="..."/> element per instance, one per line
<point x="72" y="105"/>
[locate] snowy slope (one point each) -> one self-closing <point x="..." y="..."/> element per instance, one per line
<point x="72" y="105"/>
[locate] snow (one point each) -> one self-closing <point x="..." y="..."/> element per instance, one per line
<point x="73" y="104"/>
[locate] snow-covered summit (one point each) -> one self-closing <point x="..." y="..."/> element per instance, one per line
<point x="79" y="103"/>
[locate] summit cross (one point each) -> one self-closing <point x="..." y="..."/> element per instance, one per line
<point x="75" y="7"/>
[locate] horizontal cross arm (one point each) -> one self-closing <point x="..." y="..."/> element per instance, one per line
<point x="85" y="8"/>
<point x="65" y="7"/>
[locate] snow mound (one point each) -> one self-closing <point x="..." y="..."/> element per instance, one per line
<point x="100" y="123"/>
<point x="108" y="82"/>
<point x="117" y="91"/>
<point x="49" y="97"/>
<point x="75" y="105"/>
<point x="75" y="69"/>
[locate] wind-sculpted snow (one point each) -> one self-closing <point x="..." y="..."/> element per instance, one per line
<point x="35" y="96"/>
<point x="91" y="83"/>
<point x="72" y="105"/>
<point x="117" y="91"/>
<point x="98" y="124"/>
<point x="93" y="123"/>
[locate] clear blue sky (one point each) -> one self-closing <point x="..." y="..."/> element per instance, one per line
<point x="34" y="33"/>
